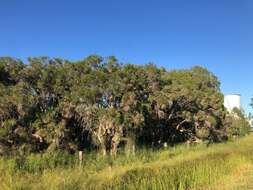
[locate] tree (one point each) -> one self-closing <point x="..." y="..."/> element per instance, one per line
<point x="189" y="106"/>
<point x="237" y="123"/>
<point x="53" y="104"/>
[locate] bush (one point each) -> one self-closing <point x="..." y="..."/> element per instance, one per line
<point x="237" y="124"/>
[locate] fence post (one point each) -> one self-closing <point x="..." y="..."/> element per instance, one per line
<point x="80" y="157"/>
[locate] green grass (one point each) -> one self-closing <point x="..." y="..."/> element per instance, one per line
<point x="219" y="166"/>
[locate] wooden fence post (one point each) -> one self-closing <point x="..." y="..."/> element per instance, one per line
<point x="80" y="157"/>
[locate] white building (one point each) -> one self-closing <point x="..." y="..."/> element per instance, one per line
<point x="232" y="101"/>
<point x="251" y="123"/>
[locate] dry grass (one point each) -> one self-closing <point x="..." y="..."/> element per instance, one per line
<point x="218" y="167"/>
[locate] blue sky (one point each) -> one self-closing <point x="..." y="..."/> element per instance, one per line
<point x="217" y="34"/>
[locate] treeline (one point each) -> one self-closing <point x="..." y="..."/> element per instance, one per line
<point x="54" y="104"/>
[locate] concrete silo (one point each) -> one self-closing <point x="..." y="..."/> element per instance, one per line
<point x="232" y="101"/>
<point x="251" y="124"/>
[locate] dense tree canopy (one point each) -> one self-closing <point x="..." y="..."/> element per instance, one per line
<point x="49" y="104"/>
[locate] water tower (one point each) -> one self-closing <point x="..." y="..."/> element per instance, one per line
<point x="232" y="101"/>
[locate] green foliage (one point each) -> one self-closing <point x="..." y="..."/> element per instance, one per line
<point x="238" y="124"/>
<point x="50" y="104"/>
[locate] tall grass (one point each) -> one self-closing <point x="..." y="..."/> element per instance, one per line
<point x="180" y="167"/>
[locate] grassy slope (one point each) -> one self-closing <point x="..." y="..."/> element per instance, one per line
<point x="222" y="166"/>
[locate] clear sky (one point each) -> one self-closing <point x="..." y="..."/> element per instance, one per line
<point x="217" y="34"/>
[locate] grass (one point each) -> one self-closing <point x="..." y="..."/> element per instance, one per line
<point x="220" y="166"/>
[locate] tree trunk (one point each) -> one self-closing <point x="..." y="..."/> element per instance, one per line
<point x="130" y="146"/>
<point x="114" y="148"/>
<point x="103" y="149"/>
<point x="115" y="142"/>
